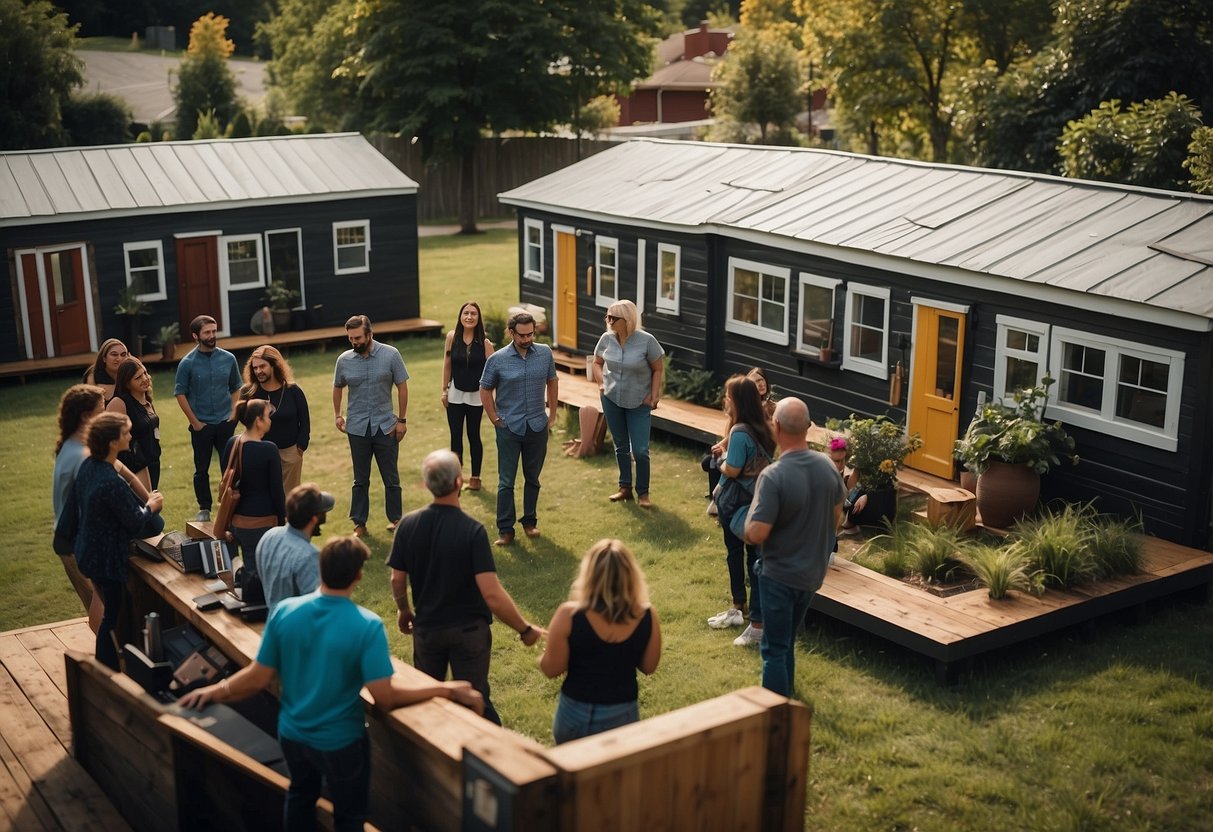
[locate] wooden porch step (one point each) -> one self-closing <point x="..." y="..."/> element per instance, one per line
<point x="569" y="362"/>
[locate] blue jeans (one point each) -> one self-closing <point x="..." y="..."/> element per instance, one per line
<point x="784" y="608"/>
<point x="464" y="648"/>
<point x="737" y="553"/>
<point x="575" y="720"/>
<point x="386" y="450"/>
<point x="347" y="771"/>
<point x="206" y="443"/>
<point x="532" y="449"/>
<point x="630" y="433"/>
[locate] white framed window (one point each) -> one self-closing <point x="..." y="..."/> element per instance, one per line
<point x="865" y="341"/>
<point x="606" y="269"/>
<point x="816" y="318"/>
<point x="532" y="249"/>
<point x="669" y="277"/>
<point x="758" y="301"/>
<point x="1021" y="356"/>
<point x="351" y="247"/>
<point x="241" y="261"/>
<point x="145" y="269"/>
<point x="1116" y="387"/>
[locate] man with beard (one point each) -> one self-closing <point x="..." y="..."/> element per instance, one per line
<point x="208" y="380"/>
<point x="370" y="370"/>
<point x="267" y="375"/>
<point x="286" y="558"/>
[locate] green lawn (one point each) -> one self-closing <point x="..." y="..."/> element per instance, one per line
<point x="1060" y="733"/>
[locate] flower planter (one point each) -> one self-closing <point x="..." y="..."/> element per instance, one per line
<point x="1006" y="492"/>
<point x="282" y="319"/>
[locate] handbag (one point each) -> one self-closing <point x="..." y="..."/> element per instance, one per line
<point x="229" y="491"/>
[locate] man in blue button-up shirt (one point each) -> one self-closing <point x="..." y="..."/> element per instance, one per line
<point x="520" y="374"/>
<point x="370" y="370"/>
<point x="207" y="382"/>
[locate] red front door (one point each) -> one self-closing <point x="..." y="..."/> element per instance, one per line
<point x="198" y="280"/>
<point x="64" y="274"/>
<point x="38" y="347"/>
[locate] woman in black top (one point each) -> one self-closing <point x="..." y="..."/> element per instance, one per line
<point x="268" y="375"/>
<point x="466" y="350"/>
<point x="600" y="637"/>
<point x="262" y="504"/>
<point x="133" y="399"/>
<point x="104" y="369"/>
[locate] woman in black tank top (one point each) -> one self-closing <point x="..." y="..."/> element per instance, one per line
<point x="466" y="351"/>
<point x="600" y="637"/>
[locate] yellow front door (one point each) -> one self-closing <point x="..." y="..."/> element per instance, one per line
<point x="935" y="387"/>
<point x="566" y="290"/>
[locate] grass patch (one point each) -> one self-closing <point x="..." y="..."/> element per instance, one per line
<point x="1056" y="733"/>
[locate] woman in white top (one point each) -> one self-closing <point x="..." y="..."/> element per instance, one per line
<point x="629" y="371"/>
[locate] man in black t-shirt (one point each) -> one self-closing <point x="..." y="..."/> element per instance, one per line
<point x="444" y="555"/>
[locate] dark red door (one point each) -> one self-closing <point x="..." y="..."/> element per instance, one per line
<point x="64" y="272"/>
<point x="198" y="280"/>
<point x="33" y="305"/>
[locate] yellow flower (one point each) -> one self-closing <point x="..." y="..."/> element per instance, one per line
<point x="887" y="466"/>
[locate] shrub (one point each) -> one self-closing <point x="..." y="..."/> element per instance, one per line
<point x="494" y="326"/>
<point x="931" y="553"/>
<point x="877" y="449"/>
<point x="1001" y="569"/>
<point x="694" y="385"/>
<point x="1058" y="544"/>
<point x="1117" y="545"/>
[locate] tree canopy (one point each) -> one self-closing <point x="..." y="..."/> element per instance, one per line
<point x="38" y="73"/>
<point x="205" y="84"/>
<point x="759" y="86"/>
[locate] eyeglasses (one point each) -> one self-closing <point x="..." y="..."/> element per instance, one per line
<point x="530" y="334"/>
<point x="611" y="319"/>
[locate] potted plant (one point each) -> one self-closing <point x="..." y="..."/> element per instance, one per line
<point x="878" y="449"/>
<point x="132" y="307"/>
<point x="1009" y="446"/>
<point x="167" y="340"/>
<point x="281" y="298"/>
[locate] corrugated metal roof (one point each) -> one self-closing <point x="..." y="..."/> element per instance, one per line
<point x="1133" y="244"/>
<point x="84" y="183"/>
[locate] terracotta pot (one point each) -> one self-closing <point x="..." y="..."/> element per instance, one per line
<point x="1005" y="493"/>
<point x="282" y="319"/>
<point x="881" y="505"/>
<point x="968" y="480"/>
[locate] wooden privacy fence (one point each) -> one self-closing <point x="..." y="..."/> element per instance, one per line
<point x="501" y="164"/>
<point x="736" y="762"/>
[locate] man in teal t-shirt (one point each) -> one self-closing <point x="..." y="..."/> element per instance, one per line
<point x="324" y="648"/>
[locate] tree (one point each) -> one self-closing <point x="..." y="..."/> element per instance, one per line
<point x="309" y="41"/>
<point x="1099" y="50"/>
<point x="204" y="81"/>
<point x="759" y="85"/>
<point x="1200" y="160"/>
<point x="38" y="73"/>
<point x="96" y="118"/>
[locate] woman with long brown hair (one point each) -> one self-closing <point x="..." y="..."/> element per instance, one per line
<point x="104" y="369"/>
<point x="467" y="348"/>
<point x="262" y="503"/>
<point x="743" y="453"/>
<point x="600" y="637"/>
<point x="133" y="399"/>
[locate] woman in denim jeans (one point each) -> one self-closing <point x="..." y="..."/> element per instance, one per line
<point x="600" y="637"/>
<point x="629" y="371"/>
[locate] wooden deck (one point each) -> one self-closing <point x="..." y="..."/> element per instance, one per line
<point x="41" y="786"/>
<point x="282" y="340"/>
<point x="952" y="630"/>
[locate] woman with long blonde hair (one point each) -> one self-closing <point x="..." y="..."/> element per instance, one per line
<point x="600" y="637"/>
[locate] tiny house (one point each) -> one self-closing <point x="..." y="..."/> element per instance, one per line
<point x="869" y="285"/>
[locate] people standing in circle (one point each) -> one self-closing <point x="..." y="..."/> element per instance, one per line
<point x="744" y="452"/>
<point x="262" y="504"/>
<point x="133" y="398"/>
<point x="467" y="348"/>
<point x="629" y="372"/>
<point x="600" y="637"/>
<point x="208" y="379"/>
<point x="267" y="375"/>
<point x="371" y="369"/>
<point x="104" y="370"/>
<point x="110" y="517"/>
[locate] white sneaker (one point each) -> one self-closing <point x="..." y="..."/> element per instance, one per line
<point x="749" y="637"/>
<point x="731" y="617"/>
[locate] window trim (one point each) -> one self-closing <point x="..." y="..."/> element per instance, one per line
<point x="342" y="224"/>
<point x="600" y="243"/>
<point x="809" y="279"/>
<point x="1106" y="421"/>
<point x="854" y="363"/>
<point x="225" y="266"/>
<point x="745" y="328"/>
<point x="528" y="273"/>
<point x="127" y="248"/>
<point x="662" y="303"/>
<point x="1003" y="324"/>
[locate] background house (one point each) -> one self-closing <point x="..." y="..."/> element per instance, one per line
<point x="200" y="227"/>
<point x="680" y="88"/>
<point x="833" y="269"/>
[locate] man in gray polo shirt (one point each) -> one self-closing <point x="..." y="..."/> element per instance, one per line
<point x="370" y="370"/>
<point x="796" y="510"/>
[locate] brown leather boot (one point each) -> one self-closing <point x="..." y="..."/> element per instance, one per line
<point x="643" y="501"/>
<point x="624" y="493"/>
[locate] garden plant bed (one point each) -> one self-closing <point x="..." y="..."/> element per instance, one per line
<point x="950" y="630"/>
